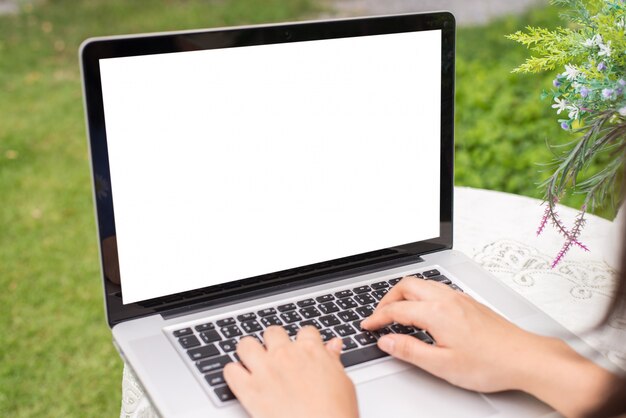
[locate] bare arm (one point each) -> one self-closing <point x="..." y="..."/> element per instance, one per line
<point x="479" y="350"/>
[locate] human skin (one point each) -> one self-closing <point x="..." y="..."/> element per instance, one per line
<point x="288" y="379"/>
<point x="478" y="349"/>
<point x="475" y="348"/>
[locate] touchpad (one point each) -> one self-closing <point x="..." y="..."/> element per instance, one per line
<point x="414" y="393"/>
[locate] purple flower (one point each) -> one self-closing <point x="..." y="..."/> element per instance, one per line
<point x="621" y="82"/>
<point x="584" y="92"/>
<point x="619" y="91"/>
<point x="556" y="83"/>
<point x="607" y="93"/>
<point x="601" y="66"/>
<point x="565" y="126"/>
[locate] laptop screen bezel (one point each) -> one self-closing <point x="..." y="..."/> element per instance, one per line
<point x="95" y="49"/>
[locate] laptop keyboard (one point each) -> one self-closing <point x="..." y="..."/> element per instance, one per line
<point x="211" y="345"/>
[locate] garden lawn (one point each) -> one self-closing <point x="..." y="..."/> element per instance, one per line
<point x="56" y="356"/>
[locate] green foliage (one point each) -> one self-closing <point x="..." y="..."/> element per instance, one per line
<point x="551" y="46"/>
<point x="591" y="91"/>
<point x="56" y="356"/>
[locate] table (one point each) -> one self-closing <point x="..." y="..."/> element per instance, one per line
<point x="498" y="230"/>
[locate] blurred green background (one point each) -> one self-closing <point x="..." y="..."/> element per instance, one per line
<point x="56" y="357"/>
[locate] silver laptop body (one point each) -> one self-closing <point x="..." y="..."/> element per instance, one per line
<point x="250" y="170"/>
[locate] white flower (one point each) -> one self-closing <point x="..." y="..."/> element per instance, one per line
<point x="605" y="49"/>
<point x="571" y="72"/>
<point x="573" y="112"/>
<point x="595" y="40"/>
<point x="560" y="105"/>
<point x="622" y="111"/>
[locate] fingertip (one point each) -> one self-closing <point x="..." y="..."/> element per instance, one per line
<point x="386" y="343"/>
<point x="234" y="372"/>
<point x="335" y="345"/>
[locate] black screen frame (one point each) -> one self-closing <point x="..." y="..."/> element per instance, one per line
<point x="95" y="49"/>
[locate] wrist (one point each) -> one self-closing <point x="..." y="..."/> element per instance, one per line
<point x="556" y="374"/>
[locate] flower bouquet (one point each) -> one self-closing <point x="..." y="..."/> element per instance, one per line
<point x="589" y="97"/>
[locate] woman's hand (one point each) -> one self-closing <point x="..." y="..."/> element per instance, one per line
<point x="288" y="379"/>
<point x="477" y="349"/>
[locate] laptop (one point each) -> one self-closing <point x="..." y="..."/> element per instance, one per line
<point x="283" y="174"/>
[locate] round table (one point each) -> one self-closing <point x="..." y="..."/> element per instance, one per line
<point x="498" y="230"/>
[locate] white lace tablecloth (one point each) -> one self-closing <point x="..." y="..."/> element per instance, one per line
<point x="498" y="230"/>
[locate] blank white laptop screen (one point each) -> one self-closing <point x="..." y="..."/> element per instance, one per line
<point x="232" y="163"/>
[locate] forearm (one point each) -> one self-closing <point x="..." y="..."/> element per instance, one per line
<point x="560" y="377"/>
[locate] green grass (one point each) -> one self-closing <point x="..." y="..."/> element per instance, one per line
<point x="56" y="357"/>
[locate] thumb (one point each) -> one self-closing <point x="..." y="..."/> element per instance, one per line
<point x="411" y="350"/>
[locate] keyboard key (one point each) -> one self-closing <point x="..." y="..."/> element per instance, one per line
<point x="440" y="279"/>
<point x="357" y="325"/>
<point x="365" y="338"/>
<point x="395" y="281"/>
<point x="364" y="299"/>
<point x="183" y="332"/>
<point x="423" y="336"/>
<point x="215" y="379"/>
<point x="455" y="287"/>
<point x="348" y="316"/>
<point x="324" y="298"/>
<point x="210" y="336"/>
<point x="329" y="320"/>
<point x="380" y="285"/>
<point x="224" y="394"/>
<point x="305" y="302"/>
<point x="213" y="364"/>
<point x="271" y="320"/>
<point x="228" y="345"/>
<point x="225" y="322"/>
<point x="348" y="344"/>
<point x="346" y="303"/>
<point x="292" y="329"/>
<point x="379" y="294"/>
<point x="266" y="312"/>
<point x="286" y="307"/>
<point x="290" y="316"/>
<point x="343" y="294"/>
<point x="310" y="312"/>
<point x="246" y="317"/>
<point x="350" y="358"/>
<point x="205" y="327"/>
<point x="401" y="329"/>
<point x="344" y="330"/>
<point x="255" y="336"/>
<point x="364" y="311"/>
<point x="419" y="275"/>
<point x="312" y="322"/>
<point x="189" y="341"/>
<point x="203" y="352"/>
<point x="328" y="307"/>
<point x="231" y="331"/>
<point x="431" y="273"/>
<point x="361" y="289"/>
<point x="327" y="335"/>
<point x="383" y="331"/>
<point x="251" y="326"/>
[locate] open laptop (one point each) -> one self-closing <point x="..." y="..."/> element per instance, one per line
<point x="280" y="174"/>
